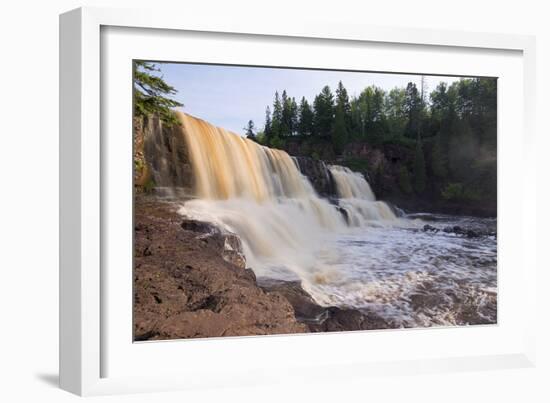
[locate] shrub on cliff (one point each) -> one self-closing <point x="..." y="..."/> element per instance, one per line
<point x="459" y="192"/>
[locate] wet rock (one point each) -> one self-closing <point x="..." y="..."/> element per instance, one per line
<point x="323" y="319"/>
<point x="190" y="288"/>
<point x="233" y="250"/>
<point x="305" y="308"/>
<point x="340" y="320"/>
<point x="466" y="232"/>
<point x="318" y="174"/>
<point x="344" y="213"/>
<point x="229" y="244"/>
<point x="199" y="227"/>
<point x="429" y="228"/>
<point x="160" y="144"/>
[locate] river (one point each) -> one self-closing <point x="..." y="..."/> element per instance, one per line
<point x="353" y="251"/>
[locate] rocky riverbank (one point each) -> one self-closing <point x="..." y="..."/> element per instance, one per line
<point x="191" y="281"/>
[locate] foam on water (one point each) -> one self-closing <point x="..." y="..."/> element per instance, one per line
<point x="412" y="277"/>
<point x="352" y="253"/>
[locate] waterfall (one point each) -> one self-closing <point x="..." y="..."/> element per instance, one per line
<point x="260" y="194"/>
<point x="357" y="198"/>
<point x="228" y="166"/>
<point x="350" y="184"/>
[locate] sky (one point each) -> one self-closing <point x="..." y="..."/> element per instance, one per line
<point x="229" y="96"/>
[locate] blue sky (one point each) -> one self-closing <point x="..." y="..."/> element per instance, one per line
<point x="228" y="96"/>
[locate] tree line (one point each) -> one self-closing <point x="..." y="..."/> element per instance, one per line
<point x="450" y="132"/>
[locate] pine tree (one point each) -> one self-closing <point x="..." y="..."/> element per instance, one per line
<point x="339" y="132"/>
<point x="150" y="94"/>
<point x="413" y="107"/>
<point x="286" y="119"/>
<point x="293" y="116"/>
<point x="342" y="101"/>
<point x="277" y="117"/>
<point x="323" y="107"/>
<point x="250" y="130"/>
<point x="267" y="125"/>
<point x="305" y="120"/>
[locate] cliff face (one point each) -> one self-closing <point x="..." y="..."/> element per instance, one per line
<point x="318" y="174"/>
<point x="161" y="159"/>
<point x="389" y="169"/>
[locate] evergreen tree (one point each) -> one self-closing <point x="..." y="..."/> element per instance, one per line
<point x="305" y="118"/>
<point x="293" y="116"/>
<point x="339" y="132"/>
<point x="452" y="138"/>
<point x="250" y="130"/>
<point x="268" y="133"/>
<point x="413" y="108"/>
<point x="323" y="107"/>
<point x="286" y="120"/>
<point x="343" y="102"/>
<point x="277" y="117"/>
<point x="151" y="94"/>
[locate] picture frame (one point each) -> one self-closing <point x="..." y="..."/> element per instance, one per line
<point x="91" y="343"/>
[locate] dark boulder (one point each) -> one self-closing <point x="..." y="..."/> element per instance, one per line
<point x="323" y="319"/>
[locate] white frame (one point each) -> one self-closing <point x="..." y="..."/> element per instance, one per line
<point x="80" y="184"/>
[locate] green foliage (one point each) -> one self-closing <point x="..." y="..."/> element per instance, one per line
<point x="276" y="142"/>
<point x="151" y="94"/>
<point x="439" y="159"/>
<point x="395" y="113"/>
<point x="453" y="191"/>
<point x="448" y="137"/>
<point x="458" y="192"/>
<point x="339" y="132"/>
<point x="413" y="108"/>
<point x="149" y="185"/>
<point x="277" y="117"/>
<point x="268" y="131"/>
<point x="259" y="138"/>
<point x="284" y="120"/>
<point x="405" y="180"/>
<point x="305" y="121"/>
<point x="323" y="107"/>
<point x="250" y="130"/>
<point x="419" y="168"/>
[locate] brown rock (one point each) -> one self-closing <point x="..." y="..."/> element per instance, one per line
<point x="191" y="282"/>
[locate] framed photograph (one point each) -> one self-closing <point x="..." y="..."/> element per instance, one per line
<point x="239" y="199"/>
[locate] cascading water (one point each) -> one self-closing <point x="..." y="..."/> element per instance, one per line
<point x="259" y="194"/>
<point x="343" y="251"/>
<point x="357" y="199"/>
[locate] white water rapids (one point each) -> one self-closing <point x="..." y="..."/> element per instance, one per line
<point x="355" y="254"/>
